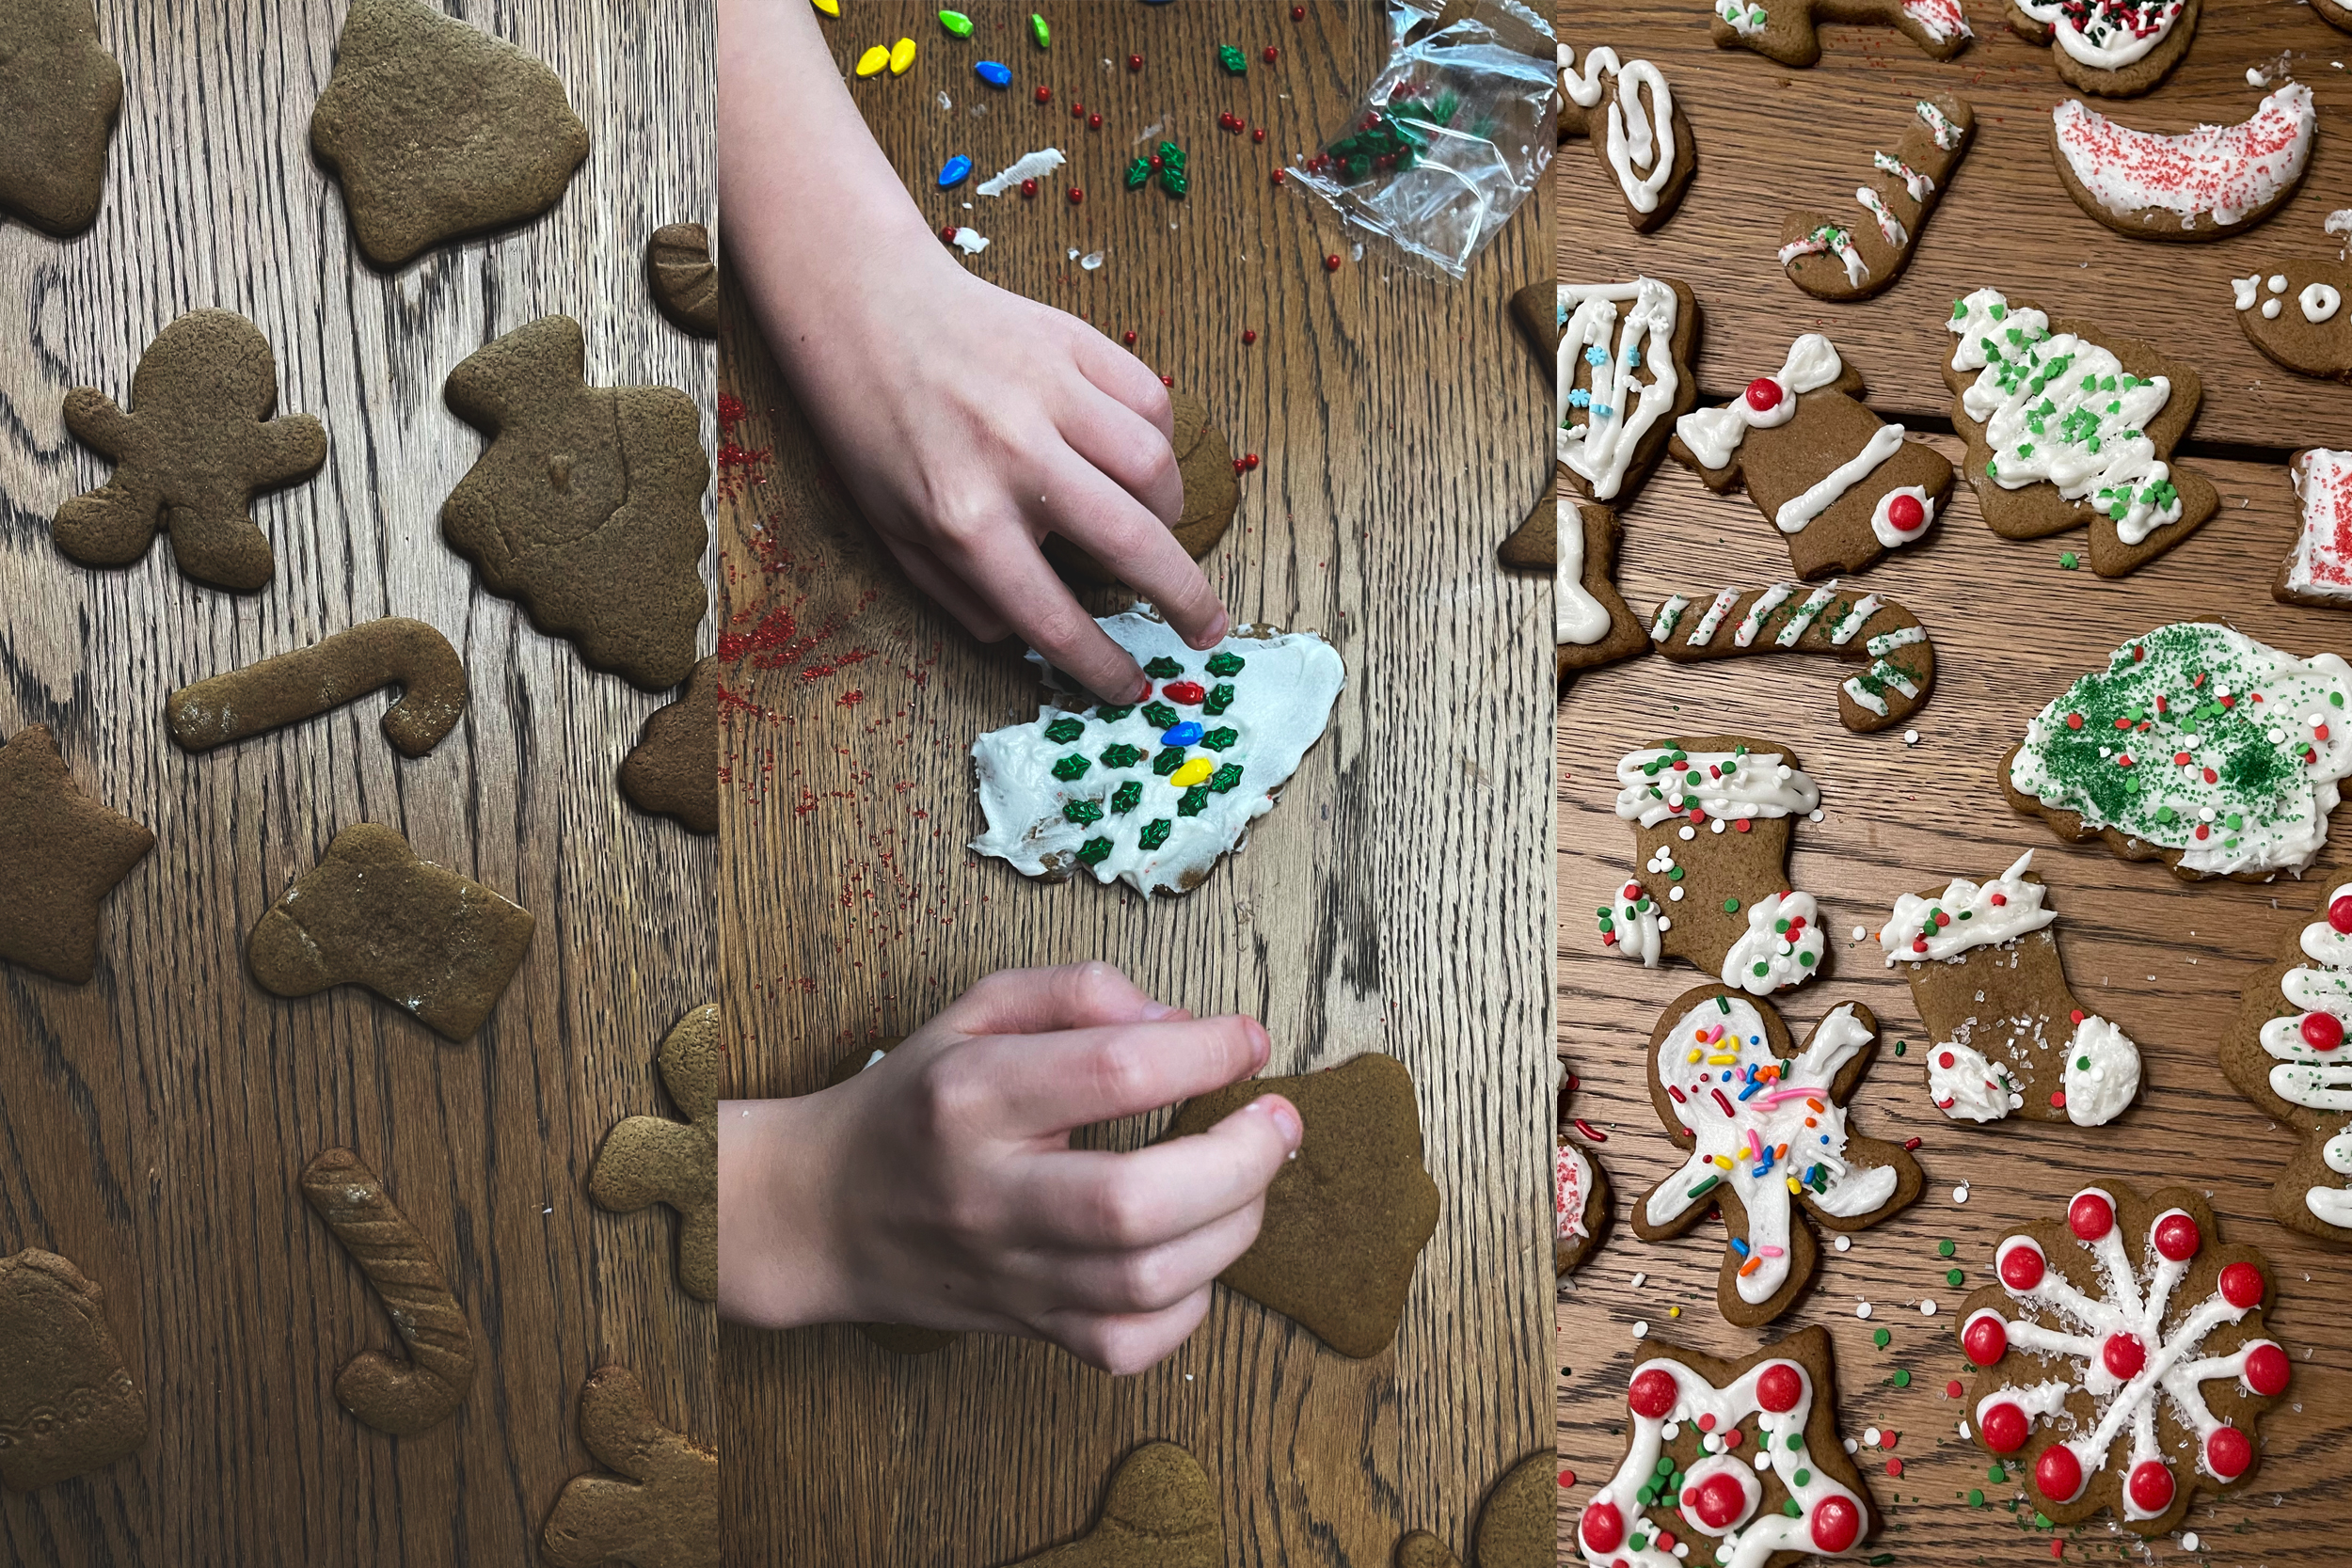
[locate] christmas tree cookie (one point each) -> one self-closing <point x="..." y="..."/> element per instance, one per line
<point x="2287" y="1053"/>
<point x="1648" y="151"/>
<point x="2009" y="1036"/>
<point x="1154" y="793"/>
<point x="2318" y="570"/>
<point x="1841" y="485"/>
<point x="2121" y="1363"/>
<point x="1624" y="378"/>
<point x="1854" y="260"/>
<point x="2213" y="182"/>
<point x="1580" y="1188"/>
<point x="2197" y="746"/>
<point x="2113" y="48"/>
<point x="1765" y="1126"/>
<point x="2069" y="426"/>
<point x="1787" y="30"/>
<point x="1887" y="639"/>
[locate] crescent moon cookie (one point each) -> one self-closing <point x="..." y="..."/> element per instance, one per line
<point x="1787" y="30"/>
<point x="2334" y="13"/>
<point x="2197" y="746"/>
<point x="1624" y="378"/>
<point x="1824" y="469"/>
<point x="2206" y="184"/>
<point x="2295" y="315"/>
<point x="1763" y="1125"/>
<point x="2112" y="48"/>
<point x="1630" y="116"/>
<point x="2121" y="1362"/>
<point x="1827" y="620"/>
<point x="2009" y="1037"/>
<point x="1854" y="260"/>
<point x="2069" y="426"/>
<point x="2288" y="1054"/>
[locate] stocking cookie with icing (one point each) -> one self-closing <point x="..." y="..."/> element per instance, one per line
<point x="2295" y="315"/>
<point x="2008" y="1037"/>
<point x="2318" y="570"/>
<point x="2072" y="426"/>
<point x="1898" y="659"/>
<point x="1841" y="258"/>
<point x="1786" y="31"/>
<point x="1841" y="485"/>
<point x="1592" y="622"/>
<point x="1764" y="1131"/>
<point x="2112" y="48"/>
<point x="1625" y="352"/>
<point x="1580" y="1188"/>
<point x="2288" y="1054"/>
<point x="1628" y="112"/>
<point x="1710" y="817"/>
<point x="2207" y="185"/>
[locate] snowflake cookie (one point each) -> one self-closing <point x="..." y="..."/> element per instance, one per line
<point x="2122" y="1356"/>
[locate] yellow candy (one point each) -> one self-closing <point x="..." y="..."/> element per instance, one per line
<point x="1192" y="773"/>
<point x="872" y="60"/>
<point x="831" y="8"/>
<point x="902" y="57"/>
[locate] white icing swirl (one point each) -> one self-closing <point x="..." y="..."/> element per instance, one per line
<point x="2102" y="1074"/>
<point x="1825" y="491"/>
<point x="2002" y="910"/>
<point x="1635" y="141"/>
<point x="1725" y="785"/>
<point x="1781" y="948"/>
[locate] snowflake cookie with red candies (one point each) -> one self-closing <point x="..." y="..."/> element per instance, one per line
<point x="2122" y="1357"/>
<point x="1737" y="1463"/>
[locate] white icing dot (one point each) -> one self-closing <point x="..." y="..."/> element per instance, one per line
<point x="1852" y="1446"/>
<point x="1911" y="738"/>
<point x="1637" y="1280"/>
<point x="1861" y="1309"/>
<point x="1926" y="1308"/>
<point x="1715" y="825"/>
<point x="2270" y="309"/>
<point x="1763" y="1459"/>
<point x="1960" y="1194"/>
<point x="2188" y="1542"/>
<point x="1861" y="933"/>
<point x="1641" y="1328"/>
<point x="1687" y="832"/>
<point x="1664" y="924"/>
<point x="1674" y="894"/>
<point x="1845" y="1243"/>
<point x="2278" y="282"/>
<point x="1869" y="1437"/>
<point x="1812" y="816"/>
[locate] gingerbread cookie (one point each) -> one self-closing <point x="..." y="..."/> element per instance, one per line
<point x="673" y="770"/>
<point x="2112" y="48"/>
<point x="2197" y="746"/>
<point x="1158" y="1512"/>
<point x="1347" y="1219"/>
<point x="1841" y="262"/>
<point x="661" y="1511"/>
<point x="1696" y="1422"/>
<point x="2318" y="570"/>
<point x="587" y="504"/>
<point x="2297" y="317"/>
<point x="1648" y="151"/>
<point x="1787" y="30"/>
<point x="2334" y="13"/>
<point x="1860" y="629"/>
<point x="2135" y="1337"/>
<point x="435" y="129"/>
<point x="1580" y="1188"/>
<point x="403" y="1398"/>
<point x="1591" y="624"/>
<point x="1711" y="817"/>
<point x="60" y="854"/>
<point x="2286" y="1052"/>
<point x="1841" y="485"/>
<point x="2214" y="181"/>
<point x="1212" y="494"/>
<point x="1514" y="1522"/>
<point x="59" y="92"/>
<point x="1624" y="378"/>
<point x="197" y="444"/>
<point x="344" y="668"/>
<point x="1765" y="1124"/>
<point x="683" y="279"/>
<point x="648" y="1160"/>
<point x="68" y="1404"/>
<point x="2069" y="426"/>
<point x="429" y="942"/>
<point x="2009" y="1036"/>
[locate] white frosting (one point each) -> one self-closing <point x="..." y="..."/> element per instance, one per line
<point x="1966" y="1086"/>
<point x="2319" y="302"/>
<point x="1781" y="948"/>
<point x="1891" y="228"/>
<point x="1941" y="21"/>
<point x="2307" y="1076"/>
<point x="1805" y="614"/>
<point x="1824" y="493"/>
<point x="1577" y="616"/>
<point x="1661" y="624"/>
<point x="1881" y="524"/>
<point x="1634" y="927"/>
<point x="1635" y="142"/>
<point x="1703" y="632"/>
<point x="2321" y="563"/>
<point x="1725" y="786"/>
<point x="2102" y="1074"/>
<point x="1829" y="237"/>
<point x="2215" y="173"/>
<point x="1939" y="125"/>
<point x="1031" y="165"/>
<point x="1283" y="699"/>
<point x="1852" y="622"/>
<point x="2104" y="39"/>
<point x="2244" y="290"/>
<point x="1919" y="186"/>
<point x="1758" y="608"/>
<point x="2002" y="910"/>
<point x="1572" y="1183"/>
<point x="1714" y="434"/>
<point x="2271" y="309"/>
<point x="1601" y="448"/>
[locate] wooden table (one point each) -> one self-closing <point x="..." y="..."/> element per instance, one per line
<point x="153" y="1123"/>
<point x="1394" y="901"/>
<point x="2165" y="960"/>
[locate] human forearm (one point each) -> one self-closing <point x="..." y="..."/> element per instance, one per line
<point x="779" y="1267"/>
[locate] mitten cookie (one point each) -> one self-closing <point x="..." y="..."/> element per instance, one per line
<point x="59" y="92"/>
<point x="1580" y="1188"/>
<point x="648" y="1160"/>
<point x="1765" y="1124"/>
<point x="1650" y="154"/>
<point x="661" y="1511"/>
<point x="2318" y="570"/>
<point x="2286" y="1052"/>
<point x="1592" y="622"/>
<point x="1624" y="357"/>
<point x="1744" y="1453"/>
<point x="1739" y="624"/>
<point x="1841" y="485"/>
<point x="683" y="279"/>
<point x="2069" y="426"/>
<point x="2197" y="746"/>
<point x="673" y="770"/>
<point x="196" y="444"/>
<point x="287" y="689"/>
<point x="1836" y="260"/>
<point x="1711" y="817"/>
<point x="68" y="1404"/>
<point x="2009" y="1036"/>
<point x="60" y="854"/>
<point x="2215" y="182"/>
<point x="1158" y="1512"/>
<point x="2134" y="1337"/>
<point x="1787" y="30"/>
<point x="1204" y="462"/>
<point x="2112" y="48"/>
<point x="2295" y="316"/>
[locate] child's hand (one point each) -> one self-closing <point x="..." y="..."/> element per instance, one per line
<point x="938" y="1187"/>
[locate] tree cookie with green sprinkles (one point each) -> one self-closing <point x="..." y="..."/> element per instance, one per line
<point x="2197" y="746"/>
<point x="1898" y="659"/>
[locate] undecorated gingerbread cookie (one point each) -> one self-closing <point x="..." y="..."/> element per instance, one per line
<point x="683" y="279"/>
<point x="2207" y="185"/>
<point x="2334" y="13"/>
<point x="68" y="1403"/>
<point x="1158" y="1512"/>
<point x="1625" y="357"/>
<point x="1514" y="1524"/>
<point x="660" y="1511"/>
<point x="1788" y="31"/>
<point x="673" y="770"/>
<point x="2287" y="1053"/>
<point x="1204" y="461"/>
<point x="1629" y="114"/>
<point x="59" y="92"/>
<point x="2295" y="315"/>
<point x="1847" y="260"/>
<point x="2112" y="48"/>
<point x="60" y="854"/>
<point x="1887" y="639"/>
<point x="2318" y="570"/>
<point x="291" y="688"/>
<point x="650" y="1160"/>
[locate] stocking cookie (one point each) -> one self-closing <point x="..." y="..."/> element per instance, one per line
<point x="673" y="770"/>
<point x="1787" y="30"/>
<point x="2287" y="1053"/>
<point x="1837" y="481"/>
<point x="1625" y="357"/>
<point x="1580" y="1188"/>
<point x="69" y="1404"/>
<point x="60" y="854"/>
<point x="2069" y="426"/>
<point x="2318" y="570"/>
<point x="1854" y="260"/>
<point x="1158" y="1512"/>
<point x="661" y="1511"/>
<point x="1591" y="624"/>
<point x="1696" y="1422"/>
<point x="1712" y="816"/>
<point x="2112" y="48"/>
<point x="2008" y="1037"/>
<point x="2122" y="1359"/>
<point x="1868" y="629"/>
<point x="2214" y="181"/>
<point x="2197" y="746"/>
<point x="59" y="92"/>
<point x="648" y="1160"/>
<point x="2297" y="316"/>
<point x="1765" y="1125"/>
<point x="683" y="278"/>
<point x="1642" y="139"/>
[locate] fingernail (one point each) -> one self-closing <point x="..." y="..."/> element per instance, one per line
<point x="1286" y="1117"/>
<point x="1223" y="624"/>
<point x="1260" y="1043"/>
<point x="1154" y="1012"/>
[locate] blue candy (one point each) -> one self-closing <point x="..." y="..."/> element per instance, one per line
<point x="1185" y="734"/>
<point x="993" y="74"/>
<point x="955" y="171"/>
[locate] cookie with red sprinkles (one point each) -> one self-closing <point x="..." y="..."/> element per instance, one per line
<point x="2206" y="183"/>
<point x="2113" y="48"/>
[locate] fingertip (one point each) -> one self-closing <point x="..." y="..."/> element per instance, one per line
<point x="1285" y="1118"/>
<point x="1211" y="630"/>
<point x="1261" y="1044"/>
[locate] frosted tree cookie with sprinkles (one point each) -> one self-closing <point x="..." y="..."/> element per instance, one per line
<point x="1786" y="31"/>
<point x="1629" y="112"/>
<point x="1625" y="377"/>
<point x="2204" y="184"/>
<point x="1840" y="484"/>
<point x="2318" y="570"/>
<point x="2007" y="1036"/>
<point x="1737" y="1463"/>
<point x="2288" y="1054"/>
<point x="1898" y="659"/>
<point x="1711" y="817"/>
<point x="1580" y="1188"/>
<point x="1763" y="1125"/>
<point x="2113" y="48"/>
<point x="2197" y="746"/>
<point x="1858" y="251"/>
<point x="2121" y="1358"/>
<point x="2069" y="426"/>
<point x="1156" y="793"/>
<point x="2295" y="315"/>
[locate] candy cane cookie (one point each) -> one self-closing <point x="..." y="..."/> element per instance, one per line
<point x="1884" y="638"/>
<point x="1857" y="253"/>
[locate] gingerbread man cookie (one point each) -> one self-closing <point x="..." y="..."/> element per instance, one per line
<point x="2112" y="48"/>
<point x="1624" y="378"/>
<point x="2211" y="182"/>
<point x="1647" y="150"/>
<point x="1851" y="260"/>
<point x="2286" y="1052"/>
<point x="59" y="92"/>
<point x="1866" y="629"/>
<point x="1787" y="30"/>
<point x="660" y="1511"/>
<point x="2295" y="315"/>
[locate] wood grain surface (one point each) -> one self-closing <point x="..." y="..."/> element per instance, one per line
<point x="2163" y="959"/>
<point x="1395" y="900"/>
<point x="153" y="1123"/>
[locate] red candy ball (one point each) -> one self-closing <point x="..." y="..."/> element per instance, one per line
<point x="1602" y="1527"/>
<point x="2150" y="1487"/>
<point x="1837" y="1524"/>
<point x="2268" y="1370"/>
<point x="1095" y="122"/>
<point x="1906" y="514"/>
<point x="1763" y="394"/>
<point x="1258" y="135"/>
<point x="1298" y="13"/>
<point x="2227" y="1452"/>
<point x="2059" y="1473"/>
<point x="2322" y="1031"/>
<point x="2340" y="914"/>
<point x="1652" y="1394"/>
<point x="1045" y="95"/>
<point x="2021" y="1266"/>
<point x="2176" y="1236"/>
<point x="1248" y="335"/>
<point x="1779" y="1387"/>
<point x="1028" y="188"/>
<point x="1985" y="1339"/>
<point x="1077" y="110"/>
<point x="1135" y="62"/>
<point x="2123" y="1356"/>
<point x="1076" y="195"/>
<point x="1129" y="338"/>
<point x="2091" y="1215"/>
<point x="2003" y="1428"/>
<point x="1271" y="54"/>
<point x="1330" y="263"/>
<point x="2241" y="1285"/>
<point x="1720" y="1502"/>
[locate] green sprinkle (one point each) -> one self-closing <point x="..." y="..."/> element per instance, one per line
<point x="1065" y="730"/>
<point x="1139" y="172"/>
<point x="1976" y="1497"/>
<point x="1902" y="1048"/>
<point x="1731" y="906"/>
<point x="1162" y="668"/>
<point x="1232" y="58"/>
<point x="957" y="23"/>
<point x="1168" y="761"/>
<point x="1122" y="755"/>
<point x="1996" y="1475"/>
<point x="1161" y="716"/>
<point x="1127" y="797"/>
<point x="1955" y="1277"/>
<point x="1109" y="714"/>
<point x="1094" y="851"/>
<point x="1224" y="778"/>
<point x="2067" y="561"/>
<point x="1218" y="739"/>
<point x="1880" y="1337"/>
<point x="1083" y="810"/>
<point x="1172" y="181"/>
<point x="1946" y="1247"/>
<point x="1154" y="833"/>
<point x="1902" y="1378"/>
<point x="1788" y="1506"/>
<point x="1704" y="1188"/>
<point x="1666" y="1465"/>
<point x="2041" y="1520"/>
<point x="1796" y="1442"/>
<point x="1225" y="664"/>
<point x="1196" y="801"/>
<point x="1071" y="766"/>
<point x="1039" y="31"/>
<point x="1801" y="1476"/>
<point x="1220" y="696"/>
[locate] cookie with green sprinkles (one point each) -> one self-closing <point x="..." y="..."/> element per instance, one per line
<point x="1212" y="495"/>
<point x="1868" y="629"/>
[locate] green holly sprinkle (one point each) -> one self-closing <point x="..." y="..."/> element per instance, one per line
<point x="1162" y="668"/>
<point x="1071" y="766"/>
<point x="1064" y="730"/>
<point x="1161" y="716"/>
<point x="1127" y="797"/>
<point x="1083" y="812"/>
<point x="1195" y="802"/>
<point x="1232" y="58"/>
<point x="1218" y="739"/>
<point x="1168" y="761"/>
<point x="1154" y="833"/>
<point x="1220" y="698"/>
<point x="1225" y="778"/>
<point x="1225" y="664"/>
<point x="1122" y="755"/>
<point x="1139" y="172"/>
<point x="1109" y="714"/>
<point x="1094" y="851"/>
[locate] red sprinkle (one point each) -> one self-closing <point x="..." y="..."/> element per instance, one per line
<point x="1135" y="62"/>
<point x="1911" y="1143"/>
<point x="1130" y="339"/>
<point x="1076" y="195"/>
<point x="1332" y="264"/>
<point x="949" y="234"/>
<point x="1045" y="95"/>
<point x="1591" y="1132"/>
<point x="1028" y="188"/>
<point x="1167" y="381"/>
<point x="1298" y="13"/>
<point x="1952" y="1390"/>
<point x="1258" y="135"/>
<point x="1095" y="122"/>
<point x="1277" y="177"/>
<point x="1077" y="110"/>
<point x="1248" y="335"/>
<point x="1271" y="54"/>
<point x="1894" y="1467"/>
<point x="1249" y="461"/>
<point x="1567" y="1478"/>
<point x="2074" y="721"/>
